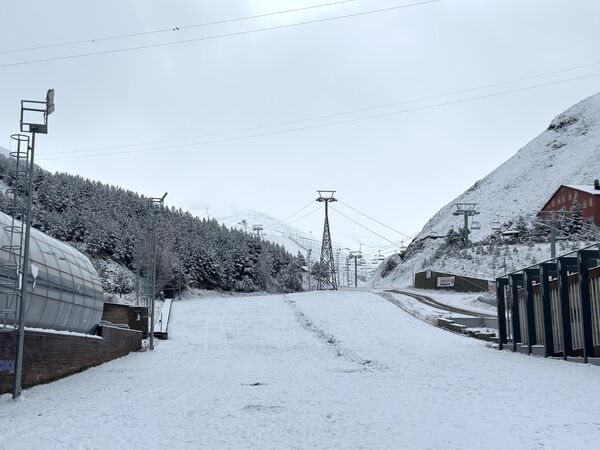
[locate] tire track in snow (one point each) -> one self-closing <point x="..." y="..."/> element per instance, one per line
<point x="331" y="341"/>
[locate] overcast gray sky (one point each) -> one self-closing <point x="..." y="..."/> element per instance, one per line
<point x="400" y="167"/>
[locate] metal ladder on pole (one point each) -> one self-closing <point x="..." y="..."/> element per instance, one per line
<point x="12" y="240"/>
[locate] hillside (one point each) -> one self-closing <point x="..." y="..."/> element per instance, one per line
<point x="107" y="223"/>
<point x="565" y="153"/>
<point x="274" y="230"/>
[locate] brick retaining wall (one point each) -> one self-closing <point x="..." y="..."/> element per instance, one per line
<point x="49" y="356"/>
<point x="134" y="316"/>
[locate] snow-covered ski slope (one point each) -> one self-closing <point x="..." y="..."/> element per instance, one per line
<point x="274" y="230"/>
<point x="320" y="370"/>
<point x="568" y="152"/>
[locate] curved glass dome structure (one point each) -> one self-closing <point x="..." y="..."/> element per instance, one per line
<point x="66" y="295"/>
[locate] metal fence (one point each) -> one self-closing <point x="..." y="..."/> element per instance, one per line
<point x="556" y="314"/>
<point x="553" y="308"/>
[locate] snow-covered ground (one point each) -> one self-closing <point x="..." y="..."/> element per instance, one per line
<point x="316" y="370"/>
<point x="466" y="301"/>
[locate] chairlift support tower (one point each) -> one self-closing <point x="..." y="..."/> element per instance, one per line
<point x="257" y="229"/>
<point x="466" y="210"/>
<point x="356" y="255"/>
<point x="327" y="280"/>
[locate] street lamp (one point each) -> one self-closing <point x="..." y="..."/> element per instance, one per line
<point x="31" y="110"/>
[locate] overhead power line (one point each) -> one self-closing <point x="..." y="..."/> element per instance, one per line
<point x="172" y="29"/>
<point x="363" y="226"/>
<point x="302" y="217"/>
<point x="339" y="122"/>
<point x="216" y="36"/>
<point x="292" y="215"/>
<point x="376" y="221"/>
<point x="327" y="116"/>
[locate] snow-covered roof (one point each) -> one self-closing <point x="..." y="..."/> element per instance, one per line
<point x="584" y="188"/>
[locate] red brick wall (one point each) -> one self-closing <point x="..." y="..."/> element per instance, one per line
<point x="49" y="356"/>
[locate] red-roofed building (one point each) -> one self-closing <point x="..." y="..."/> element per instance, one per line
<point x="569" y="197"/>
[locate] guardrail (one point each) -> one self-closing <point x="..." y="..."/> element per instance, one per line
<point x="552" y="308"/>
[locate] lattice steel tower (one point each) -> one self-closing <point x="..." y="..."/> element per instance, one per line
<point x="326" y="279"/>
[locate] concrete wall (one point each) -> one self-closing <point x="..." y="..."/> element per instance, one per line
<point x="49" y="356"/>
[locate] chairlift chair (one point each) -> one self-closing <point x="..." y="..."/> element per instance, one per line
<point x="475" y="225"/>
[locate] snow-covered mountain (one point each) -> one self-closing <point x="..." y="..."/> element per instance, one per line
<point x="274" y="230"/>
<point x="568" y="152"/>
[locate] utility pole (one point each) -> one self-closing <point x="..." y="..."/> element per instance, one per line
<point x="29" y="108"/>
<point x="466" y="210"/>
<point x="347" y="267"/>
<point x="339" y="269"/>
<point x="154" y="205"/>
<point x="554" y="224"/>
<point x="309" y="267"/>
<point x="327" y="279"/>
<point x="356" y="255"/>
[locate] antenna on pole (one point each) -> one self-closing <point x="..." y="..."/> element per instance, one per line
<point x="327" y="279"/>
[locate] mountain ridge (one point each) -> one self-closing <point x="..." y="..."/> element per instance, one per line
<point x="565" y="153"/>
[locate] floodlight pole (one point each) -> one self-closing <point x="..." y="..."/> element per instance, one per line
<point x="152" y="205"/>
<point x="33" y="128"/>
<point x="17" y="385"/>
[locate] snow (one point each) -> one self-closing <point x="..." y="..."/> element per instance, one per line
<point x="585" y="188"/>
<point x="63" y="332"/>
<point x="314" y="370"/>
<point x="467" y="301"/>
<point x="564" y="154"/>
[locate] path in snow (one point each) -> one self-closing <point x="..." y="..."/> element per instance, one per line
<point x="315" y="370"/>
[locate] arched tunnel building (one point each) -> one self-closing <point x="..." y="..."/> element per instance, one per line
<point x="66" y="294"/>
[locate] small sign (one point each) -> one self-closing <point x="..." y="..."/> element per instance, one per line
<point x="443" y="282"/>
<point x="428" y="274"/>
<point x="7" y="365"/>
<point x="35" y="270"/>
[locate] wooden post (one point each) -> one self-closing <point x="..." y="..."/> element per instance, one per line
<point x="501" y="297"/>
<point x="514" y="281"/>
<point x="529" y="275"/>
<point x="563" y="291"/>
<point x="583" y="257"/>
